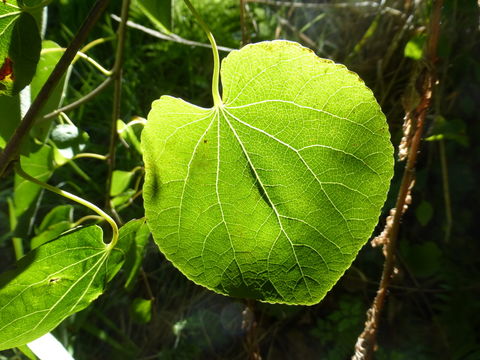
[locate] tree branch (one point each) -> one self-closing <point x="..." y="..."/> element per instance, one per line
<point x="169" y="37"/>
<point x="117" y="73"/>
<point x="367" y="340"/>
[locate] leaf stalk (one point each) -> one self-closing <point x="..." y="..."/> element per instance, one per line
<point x="77" y="199"/>
<point x="217" y="100"/>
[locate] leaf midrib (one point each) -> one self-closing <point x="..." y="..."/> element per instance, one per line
<point x="320" y="183"/>
<point x="272" y="205"/>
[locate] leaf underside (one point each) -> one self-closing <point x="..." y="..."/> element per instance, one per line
<point x="272" y="194"/>
<point x="52" y="282"/>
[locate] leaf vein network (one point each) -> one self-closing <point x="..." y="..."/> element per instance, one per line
<point x="277" y="214"/>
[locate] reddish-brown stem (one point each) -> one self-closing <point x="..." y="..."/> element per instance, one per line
<point x="367" y="340"/>
<point x="249" y="324"/>
<point x="12" y="148"/>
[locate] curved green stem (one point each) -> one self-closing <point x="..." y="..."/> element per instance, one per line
<point x="86" y="218"/>
<point x="81" y="55"/>
<point x="75" y="198"/>
<point x="96" y="42"/>
<point x="217" y="100"/>
<point x="89" y="155"/>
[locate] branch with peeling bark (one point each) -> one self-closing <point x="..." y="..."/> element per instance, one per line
<point x="409" y="149"/>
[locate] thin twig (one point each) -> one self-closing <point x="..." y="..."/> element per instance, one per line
<point x="446" y="191"/>
<point x="327" y="5"/>
<point x="367" y="340"/>
<point x="11" y="150"/>
<point x="117" y="97"/>
<point x="297" y="32"/>
<point x="312" y="5"/>
<point x="170" y="37"/>
<point x="80" y="101"/>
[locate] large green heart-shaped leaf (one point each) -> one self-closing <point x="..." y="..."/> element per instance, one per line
<point x="271" y="194"/>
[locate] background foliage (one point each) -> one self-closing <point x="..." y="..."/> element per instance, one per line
<point x="432" y="310"/>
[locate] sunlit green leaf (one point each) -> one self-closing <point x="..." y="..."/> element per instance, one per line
<point x="122" y="198"/>
<point x="27" y="352"/>
<point x="138" y="232"/>
<point x="19" y="47"/>
<point x="50" y="55"/>
<point x="10" y="105"/>
<point x="57" y="221"/>
<point x="141" y="310"/>
<point x="10" y="115"/>
<point x="271" y="194"/>
<point x="38" y="164"/>
<point x="57" y="214"/>
<point x="128" y="135"/>
<point x="120" y="181"/>
<point x="414" y="48"/>
<point x="52" y="282"/>
<point x="49" y="234"/>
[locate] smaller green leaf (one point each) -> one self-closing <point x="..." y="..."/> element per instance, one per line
<point x="424" y="213"/>
<point x="10" y="115"/>
<point x="50" y="55"/>
<point x="128" y="135"/>
<point x="414" y="48"/>
<point x="424" y="259"/>
<point x="53" y="282"/>
<point x="122" y="198"/>
<point x="39" y="164"/>
<point x="19" y="48"/>
<point x="51" y="233"/>
<point x="141" y="310"/>
<point x="57" y="214"/>
<point x="452" y="129"/>
<point x="10" y="105"/>
<point x="120" y="181"/>
<point x="159" y="12"/>
<point x="27" y="352"/>
<point x="138" y="232"/>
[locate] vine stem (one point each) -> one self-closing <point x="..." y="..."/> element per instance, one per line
<point x="367" y="340"/>
<point x="217" y="100"/>
<point x="81" y="55"/>
<point x="90" y="155"/>
<point x="12" y="148"/>
<point x="75" y="198"/>
<point x="80" y="101"/>
<point x="117" y="98"/>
